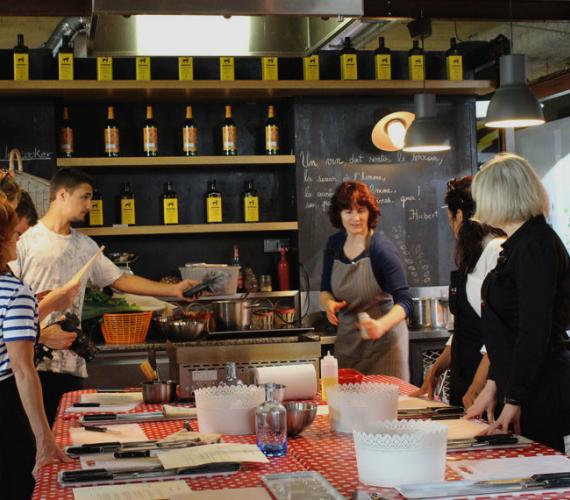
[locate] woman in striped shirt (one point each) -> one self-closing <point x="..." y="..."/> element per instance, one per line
<point x="23" y="423"/>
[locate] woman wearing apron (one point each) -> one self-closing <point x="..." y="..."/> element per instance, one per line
<point x="477" y="248"/>
<point x="525" y="308"/>
<point x="362" y="273"/>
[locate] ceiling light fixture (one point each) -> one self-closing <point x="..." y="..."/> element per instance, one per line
<point x="389" y="133"/>
<point x="426" y="134"/>
<point x="513" y="105"/>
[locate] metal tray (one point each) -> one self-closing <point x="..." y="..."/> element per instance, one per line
<point x="300" y="486"/>
<point x="274" y="331"/>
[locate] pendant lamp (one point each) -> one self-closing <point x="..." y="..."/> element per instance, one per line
<point x="514" y="104"/>
<point x="426" y="134"/>
<point x="390" y="132"/>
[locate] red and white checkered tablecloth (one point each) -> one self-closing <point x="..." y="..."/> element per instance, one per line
<point x="317" y="449"/>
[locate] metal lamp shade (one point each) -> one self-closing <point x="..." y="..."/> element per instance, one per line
<point x="514" y="104"/>
<point x="426" y="134"/>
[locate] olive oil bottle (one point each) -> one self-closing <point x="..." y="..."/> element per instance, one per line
<point x="65" y="60"/>
<point x="348" y="62"/>
<point x="271" y="133"/>
<point x="150" y="134"/>
<point x="229" y="134"/>
<point x="21" y="60"/>
<point x="66" y="135"/>
<point x="127" y="205"/>
<point x="416" y="62"/>
<point x="96" y="212"/>
<point x="111" y="132"/>
<point x="453" y="62"/>
<point x="250" y="204"/>
<point x="382" y="61"/>
<point x="213" y="204"/>
<point x="189" y="134"/>
<point x="169" y="205"/>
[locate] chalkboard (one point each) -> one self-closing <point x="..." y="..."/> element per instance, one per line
<point x="332" y="143"/>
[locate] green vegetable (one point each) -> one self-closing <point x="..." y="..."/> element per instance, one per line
<point x="97" y="303"/>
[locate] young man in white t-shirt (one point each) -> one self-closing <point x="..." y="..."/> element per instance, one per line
<point x="49" y="255"/>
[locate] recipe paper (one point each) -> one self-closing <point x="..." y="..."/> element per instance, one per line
<point x="122" y="433"/>
<point x="410" y="403"/>
<point x="146" y="491"/>
<point x="507" y="468"/>
<point x="459" y="428"/>
<point x="112" y="398"/>
<point x="109" y="462"/>
<point x="212" y="454"/>
<point x="225" y="494"/>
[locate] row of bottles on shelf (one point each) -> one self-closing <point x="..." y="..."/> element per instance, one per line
<point x="189" y="132"/>
<point x="170" y="209"/>
<point x="269" y="65"/>
<point x="247" y="281"/>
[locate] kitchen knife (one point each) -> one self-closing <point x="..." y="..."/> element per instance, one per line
<point x="432" y="411"/>
<point x="71" y="477"/>
<point x="479" y="441"/>
<point x="121" y="418"/>
<point x="129" y="447"/>
<point x="452" y="489"/>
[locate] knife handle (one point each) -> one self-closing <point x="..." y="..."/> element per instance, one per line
<point x="553" y="480"/>
<point x="77" y="476"/>
<point x="100" y="416"/>
<point x="86" y="405"/>
<point x="132" y="454"/>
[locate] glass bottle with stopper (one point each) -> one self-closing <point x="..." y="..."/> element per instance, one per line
<point x="271" y="425"/>
<point x="230" y="377"/>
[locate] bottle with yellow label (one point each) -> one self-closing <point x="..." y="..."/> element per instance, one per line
<point x="227" y="68"/>
<point x="104" y="68"/>
<point x="21" y="60"/>
<point x="271" y="133"/>
<point x="143" y="68"/>
<point x="111" y="132"/>
<point x="416" y="62"/>
<point x="213" y="204"/>
<point x="127" y="205"/>
<point x="348" y="62"/>
<point x="382" y="61"/>
<point x="250" y="204"/>
<point x="185" y="68"/>
<point x="229" y="134"/>
<point x="189" y="134"/>
<point x="96" y="212"/>
<point x="453" y="62"/>
<point x="169" y="205"/>
<point x="66" y="135"/>
<point x="65" y="60"/>
<point x="150" y="134"/>
<point x="311" y="69"/>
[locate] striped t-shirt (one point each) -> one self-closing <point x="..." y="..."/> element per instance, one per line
<point x="18" y="317"/>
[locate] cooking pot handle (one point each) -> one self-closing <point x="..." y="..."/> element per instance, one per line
<point x="251" y="306"/>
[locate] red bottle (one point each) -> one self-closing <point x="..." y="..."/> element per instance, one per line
<point x="283" y="271"/>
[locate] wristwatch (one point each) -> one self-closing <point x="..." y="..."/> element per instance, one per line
<point x="510" y="401"/>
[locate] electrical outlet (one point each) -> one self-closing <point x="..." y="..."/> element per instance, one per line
<point x="274" y="245"/>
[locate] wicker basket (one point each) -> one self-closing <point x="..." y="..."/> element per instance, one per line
<point x="129" y="328"/>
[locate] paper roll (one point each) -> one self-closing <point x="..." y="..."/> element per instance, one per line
<point x="300" y="381"/>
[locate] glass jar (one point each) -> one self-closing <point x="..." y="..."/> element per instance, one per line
<point x="271" y="425"/>
<point x="230" y="377"/>
<point x="265" y="283"/>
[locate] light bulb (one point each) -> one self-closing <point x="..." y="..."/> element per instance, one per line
<point x="396" y="130"/>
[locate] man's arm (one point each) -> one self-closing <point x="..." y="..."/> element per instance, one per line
<point x="129" y="283"/>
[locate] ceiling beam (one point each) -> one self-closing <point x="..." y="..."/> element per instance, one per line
<point x="552" y="86"/>
<point x="523" y="10"/>
<point x="45" y="8"/>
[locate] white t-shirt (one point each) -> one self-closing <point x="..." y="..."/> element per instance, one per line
<point x="48" y="260"/>
<point x="486" y="263"/>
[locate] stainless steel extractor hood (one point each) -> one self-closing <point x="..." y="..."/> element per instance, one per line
<point x="220" y="27"/>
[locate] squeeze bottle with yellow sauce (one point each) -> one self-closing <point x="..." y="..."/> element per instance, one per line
<point x="329" y="373"/>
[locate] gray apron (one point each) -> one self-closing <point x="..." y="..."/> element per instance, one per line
<point x="355" y="282"/>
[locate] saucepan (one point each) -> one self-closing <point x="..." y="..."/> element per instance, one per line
<point x="233" y="314"/>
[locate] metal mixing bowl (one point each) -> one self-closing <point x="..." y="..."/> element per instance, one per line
<point x="185" y="329"/>
<point x="299" y="416"/>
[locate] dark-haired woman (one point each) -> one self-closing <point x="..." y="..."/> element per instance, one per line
<point x="362" y="273"/>
<point x="477" y="249"/>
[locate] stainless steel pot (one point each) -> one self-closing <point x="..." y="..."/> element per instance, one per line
<point x="421" y="314"/>
<point x="439" y="312"/>
<point x="156" y="392"/>
<point x="233" y="314"/>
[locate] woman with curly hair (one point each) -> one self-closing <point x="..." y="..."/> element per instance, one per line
<point x="362" y="273"/>
<point x="27" y="441"/>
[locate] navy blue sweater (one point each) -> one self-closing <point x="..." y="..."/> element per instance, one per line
<point x="386" y="265"/>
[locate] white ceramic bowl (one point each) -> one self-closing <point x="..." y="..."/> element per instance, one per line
<point x="354" y="405"/>
<point x="390" y="453"/>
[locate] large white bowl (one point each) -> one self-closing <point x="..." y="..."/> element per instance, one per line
<point x="354" y="405"/>
<point x="395" y="452"/>
<point x="228" y="409"/>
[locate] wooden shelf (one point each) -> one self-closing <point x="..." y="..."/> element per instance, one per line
<point x="237" y="89"/>
<point x="177" y="161"/>
<point x="241" y="227"/>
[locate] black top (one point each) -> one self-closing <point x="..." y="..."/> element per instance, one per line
<point x="385" y="261"/>
<point x="526" y="308"/>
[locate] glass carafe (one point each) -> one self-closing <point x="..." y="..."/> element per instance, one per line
<point x="271" y="425"/>
<point x="230" y="377"/>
